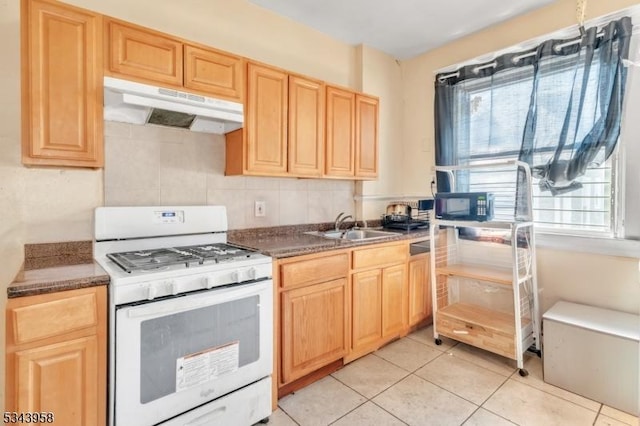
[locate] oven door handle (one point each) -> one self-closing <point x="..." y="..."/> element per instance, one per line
<point x="152" y="310"/>
<point x="177" y="305"/>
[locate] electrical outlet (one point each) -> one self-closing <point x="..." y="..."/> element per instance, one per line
<point x="260" y="208"/>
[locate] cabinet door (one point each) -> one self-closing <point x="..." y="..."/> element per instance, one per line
<point x="366" y="304"/>
<point x="306" y="127"/>
<point x="266" y="116"/>
<point x="59" y="365"/>
<point x="313" y="327"/>
<point x="340" y="150"/>
<point x="394" y="300"/>
<point x="61" y="85"/>
<point x="214" y="73"/>
<point x="40" y="372"/>
<point x="143" y="54"/>
<point x="419" y="290"/>
<point x="366" y="137"/>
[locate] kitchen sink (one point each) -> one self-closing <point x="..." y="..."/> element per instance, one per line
<point x="354" y="234"/>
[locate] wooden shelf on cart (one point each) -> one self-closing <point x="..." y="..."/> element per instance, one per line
<point x="483" y="273"/>
<point x="486" y="318"/>
<point x="478" y="326"/>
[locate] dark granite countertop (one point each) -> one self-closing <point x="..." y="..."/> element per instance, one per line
<point x="57" y="278"/>
<point x="54" y="267"/>
<point x="293" y="243"/>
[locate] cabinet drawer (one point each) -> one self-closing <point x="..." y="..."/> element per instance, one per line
<point x="379" y="256"/>
<point x="315" y="270"/>
<point x="476" y="335"/>
<point x="54" y="317"/>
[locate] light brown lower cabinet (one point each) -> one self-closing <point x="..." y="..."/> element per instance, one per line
<point x="366" y="317"/>
<point x="312" y="316"/>
<point x="419" y="289"/>
<point x="394" y="300"/>
<point x="56" y="356"/>
<point x="379" y="297"/>
<point x="313" y="327"/>
<point x="337" y="306"/>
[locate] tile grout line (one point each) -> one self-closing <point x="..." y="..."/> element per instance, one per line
<point x="384" y="390"/>
<point x="597" y="414"/>
<point x="507" y="378"/>
<point x="288" y="415"/>
<point x="350" y="411"/>
<point x="391" y="414"/>
<point x="560" y="397"/>
<point x="367" y="399"/>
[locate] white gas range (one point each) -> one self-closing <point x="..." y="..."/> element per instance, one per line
<point x="191" y="336"/>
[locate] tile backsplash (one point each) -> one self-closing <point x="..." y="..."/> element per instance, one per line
<point x="154" y="165"/>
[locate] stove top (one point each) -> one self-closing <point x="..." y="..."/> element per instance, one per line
<point x="154" y="259"/>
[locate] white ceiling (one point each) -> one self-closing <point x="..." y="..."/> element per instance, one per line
<point x="401" y="28"/>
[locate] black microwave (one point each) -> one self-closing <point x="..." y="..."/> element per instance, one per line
<point x="473" y="206"/>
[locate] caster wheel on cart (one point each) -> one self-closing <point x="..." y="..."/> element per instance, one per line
<point x="264" y="421"/>
<point x="438" y="342"/>
<point x="523" y="372"/>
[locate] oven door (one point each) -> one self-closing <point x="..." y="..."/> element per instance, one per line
<point x="176" y="354"/>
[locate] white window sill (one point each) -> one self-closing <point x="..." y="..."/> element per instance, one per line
<point x="595" y="245"/>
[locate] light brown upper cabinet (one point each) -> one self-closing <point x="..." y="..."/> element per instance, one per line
<point x="352" y="135"/>
<point x="144" y="54"/>
<point x="366" y="137"/>
<point x="149" y="56"/>
<point x="284" y="128"/>
<point x="260" y="148"/>
<point x="214" y="72"/>
<point x="340" y="159"/>
<point x="62" y="68"/>
<point x="306" y="127"/>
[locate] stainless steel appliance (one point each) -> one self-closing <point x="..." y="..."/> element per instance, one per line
<point x="472" y="206"/>
<point x="191" y="318"/>
<point x="407" y="215"/>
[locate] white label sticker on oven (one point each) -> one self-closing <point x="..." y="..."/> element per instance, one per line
<point x="201" y="367"/>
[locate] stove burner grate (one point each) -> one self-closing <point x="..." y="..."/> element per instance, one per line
<point x="143" y="260"/>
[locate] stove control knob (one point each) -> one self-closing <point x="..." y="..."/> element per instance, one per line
<point x="208" y="282"/>
<point x="235" y="276"/>
<point x="173" y="287"/>
<point x="151" y="292"/>
<point x="253" y="273"/>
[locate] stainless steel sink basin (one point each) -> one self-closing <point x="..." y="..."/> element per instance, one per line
<point x="354" y="234"/>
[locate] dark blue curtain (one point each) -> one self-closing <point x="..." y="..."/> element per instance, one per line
<point x="582" y="108"/>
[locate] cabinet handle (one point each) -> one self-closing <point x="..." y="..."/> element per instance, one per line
<point x="460" y="332"/>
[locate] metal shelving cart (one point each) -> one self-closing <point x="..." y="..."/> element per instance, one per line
<point x="485" y="290"/>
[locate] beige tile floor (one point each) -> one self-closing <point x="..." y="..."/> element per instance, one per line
<point x="414" y="382"/>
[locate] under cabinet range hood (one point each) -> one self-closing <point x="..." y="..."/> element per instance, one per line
<point x="131" y="102"/>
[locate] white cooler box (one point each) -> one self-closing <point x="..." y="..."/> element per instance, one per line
<point x="593" y="352"/>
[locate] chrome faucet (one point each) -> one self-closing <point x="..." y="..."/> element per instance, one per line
<point x="340" y="220"/>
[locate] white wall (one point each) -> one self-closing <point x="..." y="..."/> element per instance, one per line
<point x="382" y="77"/>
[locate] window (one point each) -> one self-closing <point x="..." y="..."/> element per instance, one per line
<point x="490" y="116"/>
